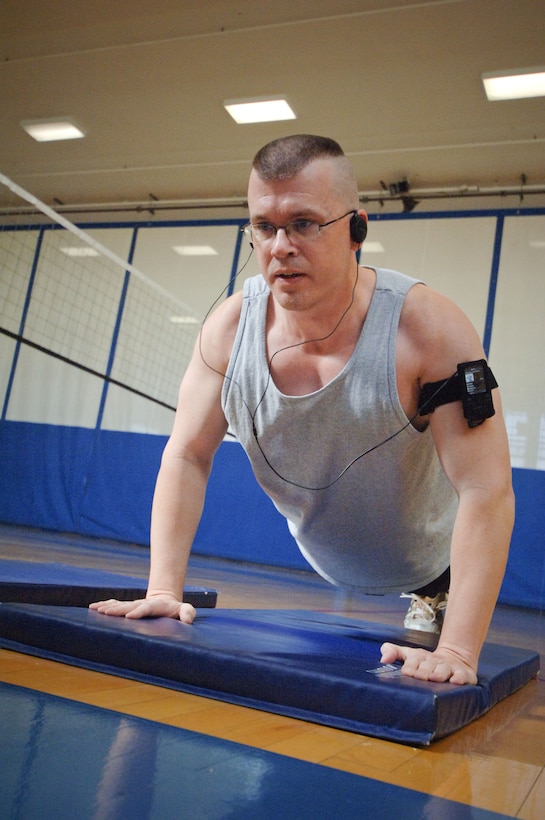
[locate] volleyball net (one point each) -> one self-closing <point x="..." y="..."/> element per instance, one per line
<point x="68" y="296"/>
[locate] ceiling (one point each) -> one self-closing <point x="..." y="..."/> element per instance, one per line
<point x="397" y="83"/>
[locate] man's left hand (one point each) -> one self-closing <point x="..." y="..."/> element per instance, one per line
<point x="440" y="666"/>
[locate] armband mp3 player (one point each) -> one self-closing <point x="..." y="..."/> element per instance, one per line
<point x="472" y="384"/>
<point x="476" y="389"/>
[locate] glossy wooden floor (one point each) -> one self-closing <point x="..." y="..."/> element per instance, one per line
<point x="496" y="763"/>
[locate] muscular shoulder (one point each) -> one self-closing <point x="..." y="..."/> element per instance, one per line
<point x="219" y="331"/>
<point x="435" y="334"/>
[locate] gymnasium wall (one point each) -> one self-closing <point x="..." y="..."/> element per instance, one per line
<point x="80" y="445"/>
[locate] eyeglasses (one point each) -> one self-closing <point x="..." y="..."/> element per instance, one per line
<point x="297" y="229"/>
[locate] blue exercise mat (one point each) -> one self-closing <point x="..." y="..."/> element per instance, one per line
<point x="309" y="665"/>
<point x="33" y="582"/>
<point x="128" y="767"/>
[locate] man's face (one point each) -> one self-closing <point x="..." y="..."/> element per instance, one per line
<point x="301" y="272"/>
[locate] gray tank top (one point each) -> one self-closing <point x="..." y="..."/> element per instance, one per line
<point x="382" y="524"/>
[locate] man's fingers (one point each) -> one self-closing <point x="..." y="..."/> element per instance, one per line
<point x="391" y="653"/>
<point x="114" y="607"/>
<point x="439" y="666"/>
<point x="187" y="613"/>
<point x="154" y="607"/>
<point x="427" y="668"/>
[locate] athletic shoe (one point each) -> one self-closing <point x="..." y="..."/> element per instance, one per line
<point x="426" y="614"/>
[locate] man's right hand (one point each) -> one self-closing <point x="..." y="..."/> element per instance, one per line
<point x="156" y="606"/>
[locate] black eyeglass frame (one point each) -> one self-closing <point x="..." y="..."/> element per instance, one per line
<point x="247" y="229"/>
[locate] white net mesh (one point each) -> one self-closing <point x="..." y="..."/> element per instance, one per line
<point x="66" y="294"/>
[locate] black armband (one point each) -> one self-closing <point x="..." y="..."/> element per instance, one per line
<point x="472" y="384"/>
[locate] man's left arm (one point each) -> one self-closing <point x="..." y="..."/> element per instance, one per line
<point x="477" y="463"/>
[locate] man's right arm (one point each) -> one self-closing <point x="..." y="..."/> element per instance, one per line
<point x="199" y="428"/>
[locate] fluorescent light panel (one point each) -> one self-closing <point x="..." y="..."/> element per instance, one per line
<point x="83" y="251"/>
<point x="184" y="320"/>
<point x="515" y="84"/>
<point x="56" y="128"/>
<point x="195" y="250"/>
<point x="259" y="110"/>
<point x="373" y="247"/>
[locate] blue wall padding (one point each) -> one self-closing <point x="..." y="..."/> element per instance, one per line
<point x="239" y="520"/>
<point x="307" y="665"/>
<point x="100" y="483"/>
<point x="524" y="583"/>
<point x="73" y="479"/>
<point x="119" y="483"/>
<point x="43" y="473"/>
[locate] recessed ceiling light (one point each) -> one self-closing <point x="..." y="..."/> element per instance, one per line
<point x="259" y="110"/>
<point x="53" y="128"/>
<point x="184" y="320"/>
<point x="83" y="251"/>
<point x="195" y="250"/>
<point x="515" y="84"/>
<point x="373" y="247"/>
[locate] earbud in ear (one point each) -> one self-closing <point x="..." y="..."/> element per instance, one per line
<point x="358" y="228"/>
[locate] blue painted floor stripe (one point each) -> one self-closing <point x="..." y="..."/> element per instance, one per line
<point x="61" y="759"/>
